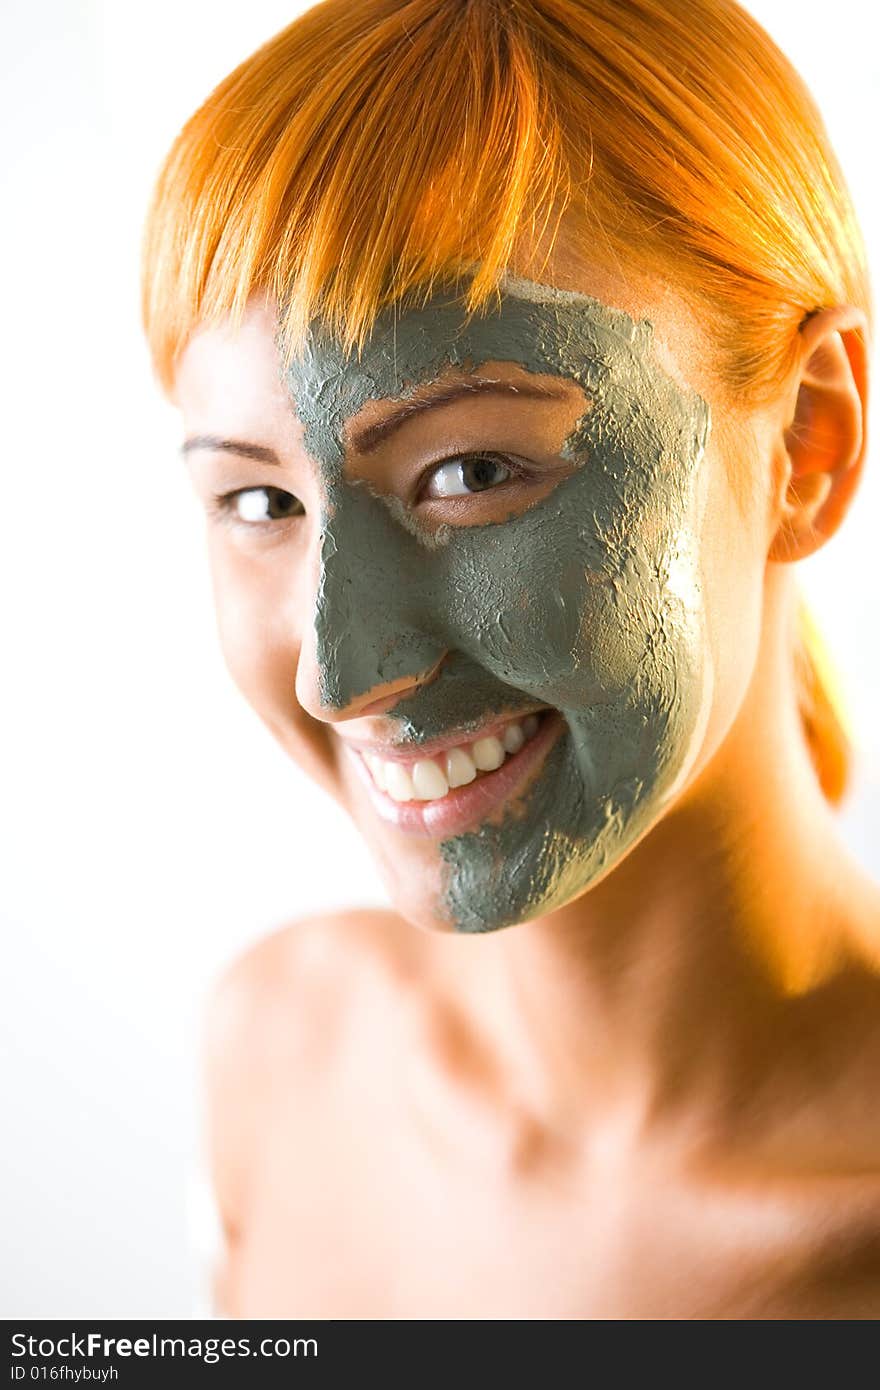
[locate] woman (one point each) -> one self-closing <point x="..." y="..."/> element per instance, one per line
<point x="521" y="352"/>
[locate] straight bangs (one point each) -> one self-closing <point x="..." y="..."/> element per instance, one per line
<point x="365" y="155"/>
<point x="374" y="150"/>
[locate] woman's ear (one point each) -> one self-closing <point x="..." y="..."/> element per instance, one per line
<point x="823" y="445"/>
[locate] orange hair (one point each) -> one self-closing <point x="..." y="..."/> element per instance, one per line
<point x="375" y="148"/>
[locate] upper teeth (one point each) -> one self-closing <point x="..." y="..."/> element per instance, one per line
<point x="430" y="778"/>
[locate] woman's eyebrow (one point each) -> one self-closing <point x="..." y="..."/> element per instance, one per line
<point x="369" y="438"/>
<point x="258" y="452"/>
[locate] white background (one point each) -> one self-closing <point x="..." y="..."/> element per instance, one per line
<point x="149" y="827"/>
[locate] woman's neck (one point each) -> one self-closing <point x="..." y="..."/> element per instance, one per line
<point x="678" y="970"/>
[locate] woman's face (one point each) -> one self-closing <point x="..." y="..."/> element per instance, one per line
<point x="480" y="581"/>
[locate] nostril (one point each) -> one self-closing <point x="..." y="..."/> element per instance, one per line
<point x="380" y="706"/>
<point x="394" y="691"/>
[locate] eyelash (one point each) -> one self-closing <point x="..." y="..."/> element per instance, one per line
<point x="517" y="468"/>
<point x="222" y="504"/>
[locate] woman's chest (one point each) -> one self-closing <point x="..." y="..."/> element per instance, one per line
<point x="370" y="1221"/>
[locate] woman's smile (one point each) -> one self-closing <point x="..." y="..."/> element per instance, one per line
<point x="463" y="781"/>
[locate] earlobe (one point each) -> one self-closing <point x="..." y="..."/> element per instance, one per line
<point x="824" y="444"/>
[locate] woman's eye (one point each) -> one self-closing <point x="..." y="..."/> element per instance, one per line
<point x="463" y="477"/>
<point x="255" y="504"/>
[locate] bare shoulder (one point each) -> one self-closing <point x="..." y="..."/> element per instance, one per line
<point x="289" y="996"/>
<point x="275" y="1024"/>
<point x="813" y="1106"/>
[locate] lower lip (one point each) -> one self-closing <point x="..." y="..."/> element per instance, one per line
<point x="465" y="807"/>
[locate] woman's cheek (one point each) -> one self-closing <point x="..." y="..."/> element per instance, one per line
<point x="732" y="572"/>
<point x="259" y="621"/>
<point x="239" y="607"/>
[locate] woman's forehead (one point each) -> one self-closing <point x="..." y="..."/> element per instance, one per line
<point x="546" y="338"/>
<point x="562" y="338"/>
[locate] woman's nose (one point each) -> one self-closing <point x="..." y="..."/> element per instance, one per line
<point x="366" y="644"/>
<point x="311" y="686"/>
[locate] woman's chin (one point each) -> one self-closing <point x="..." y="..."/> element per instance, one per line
<point x="414" y="884"/>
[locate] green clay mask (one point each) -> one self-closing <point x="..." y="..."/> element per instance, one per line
<point x="589" y="601"/>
